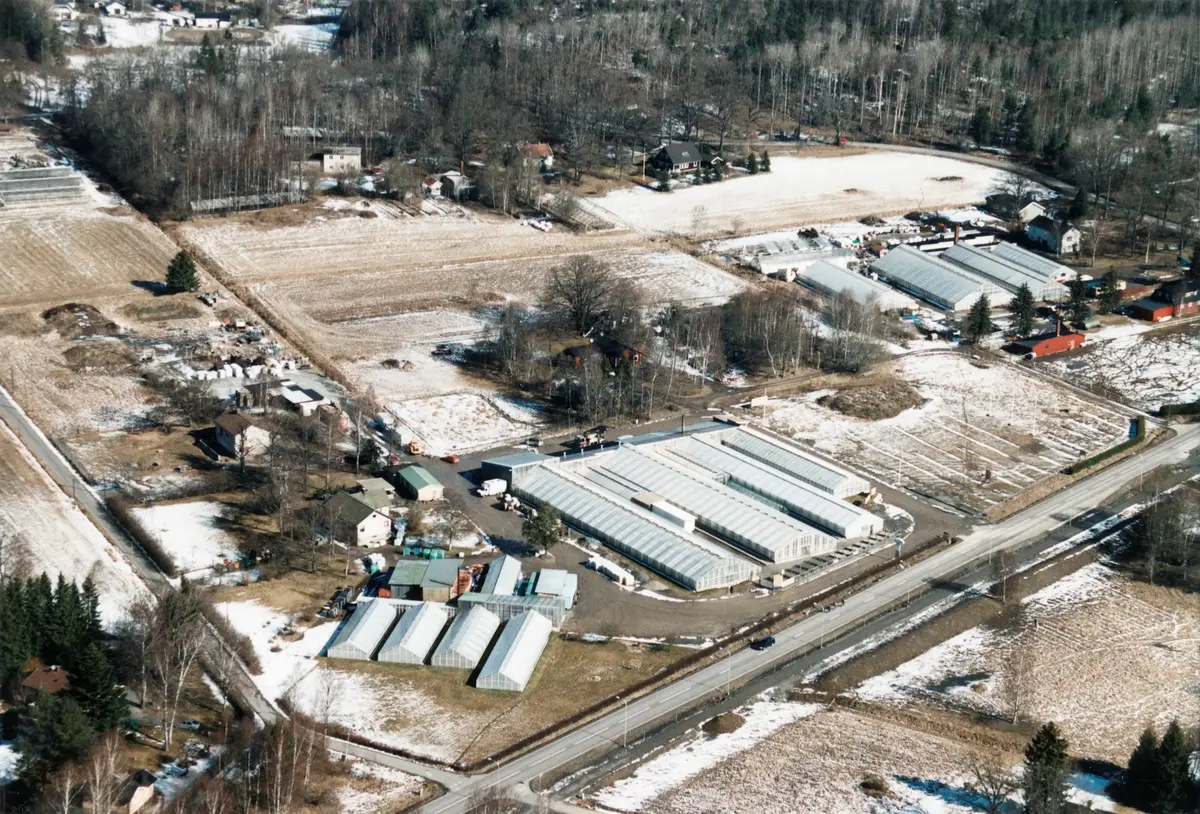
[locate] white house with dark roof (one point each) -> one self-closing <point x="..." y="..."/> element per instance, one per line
<point x="354" y="522"/>
<point x="240" y="435"/>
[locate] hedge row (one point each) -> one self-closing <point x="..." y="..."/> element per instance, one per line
<point x="121" y="509"/>
<point x="1186" y="408"/>
<point x="240" y="642"/>
<point x="1138" y="436"/>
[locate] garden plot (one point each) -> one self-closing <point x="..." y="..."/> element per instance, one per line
<point x="1149" y="369"/>
<point x="1105" y="656"/>
<point x="801" y="191"/>
<point x="56" y="536"/>
<point x="984" y="434"/>
<point x="466" y="422"/>
<point x="193" y="534"/>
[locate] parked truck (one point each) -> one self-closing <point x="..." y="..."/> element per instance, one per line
<point x="492" y="487"/>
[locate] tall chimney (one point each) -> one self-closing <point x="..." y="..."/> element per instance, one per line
<point x="957" y="229"/>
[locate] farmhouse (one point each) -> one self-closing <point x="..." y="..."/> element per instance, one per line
<point x="51" y="680"/>
<point x="538" y="154"/>
<point x="354" y="522"/>
<point x="213" y="19"/>
<point x="240" y="436"/>
<point x="1055" y="236"/>
<point x="677" y="157"/>
<point x="337" y="159"/>
<point x="1004" y="205"/>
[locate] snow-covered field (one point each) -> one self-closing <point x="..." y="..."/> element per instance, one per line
<point x="126" y="32"/>
<point x="977" y="421"/>
<point x="191" y="533"/>
<point x="58" y="537"/>
<point x="308" y="36"/>
<point x="1150" y="369"/>
<point x="9" y="757"/>
<point x="466" y="422"/>
<point x="801" y="191"/>
<point x="1106" y="657"/>
<point x="700" y="753"/>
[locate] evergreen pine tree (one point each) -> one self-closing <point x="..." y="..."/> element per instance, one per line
<point x="66" y="626"/>
<point x="51" y="730"/>
<point x="1175" y="791"/>
<point x="91" y="609"/>
<point x="980" y="127"/>
<point x="16" y="643"/>
<point x="979" y="319"/>
<point x="1046" y="770"/>
<point x="1140" y="784"/>
<point x="664" y="180"/>
<point x="101" y="37"/>
<point x="181" y="273"/>
<point x="765" y="162"/>
<point x="719" y="171"/>
<point x="1078" y="305"/>
<point x="1079" y="205"/>
<point x="1023" y="311"/>
<point x="752" y="163"/>
<point x="1110" y="293"/>
<point x="546" y="530"/>
<point x="94" y="685"/>
<point x="40" y="595"/>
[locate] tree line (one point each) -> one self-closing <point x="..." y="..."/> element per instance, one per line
<point x="451" y="82"/>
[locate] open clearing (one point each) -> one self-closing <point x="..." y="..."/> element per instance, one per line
<point x="58" y="538"/>
<point x="803" y="191"/>
<point x="466" y="422"/>
<point x="1150" y="369"/>
<point x="1107" y="656"/>
<point x="192" y="533"/>
<point x="977" y="420"/>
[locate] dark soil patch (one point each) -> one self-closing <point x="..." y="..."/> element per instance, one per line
<point x="723" y="724"/>
<point x="874" y="401"/>
<point x="161" y="311"/>
<point x="74" y="320"/>
<point x="106" y="356"/>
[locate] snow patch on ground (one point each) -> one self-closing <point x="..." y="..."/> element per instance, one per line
<point x="375" y="788"/>
<point x="1150" y="369"/>
<point x="294" y="659"/>
<point x="465" y="422"/>
<point x="700" y="753"/>
<point x="309" y="37"/>
<point x="190" y="533"/>
<point x="9" y="758"/>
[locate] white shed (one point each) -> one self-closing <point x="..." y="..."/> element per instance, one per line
<point x="360" y="636"/>
<point x="414" y="635"/>
<point x="516" y="654"/>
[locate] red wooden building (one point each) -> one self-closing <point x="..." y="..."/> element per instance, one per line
<point x="1047" y="344"/>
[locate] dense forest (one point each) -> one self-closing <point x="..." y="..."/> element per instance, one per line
<point x="450" y="81"/>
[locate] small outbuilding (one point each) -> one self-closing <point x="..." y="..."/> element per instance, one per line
<point x="556" y="582"/>
<point x="135" y="792"/>
<point x="414" y="635"/>
<point x="1048" y="344"/>
<point x="539" y="154"/>
<point x="1005" y="205"/>
<point x="418" y="484"/>
<point x="360" y="637"/>
<point x="439" y="583"/>
<point x="502" y="575"/>
<point x="516" y="654"/>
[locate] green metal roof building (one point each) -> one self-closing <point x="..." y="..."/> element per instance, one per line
<point x="418" y="484"/>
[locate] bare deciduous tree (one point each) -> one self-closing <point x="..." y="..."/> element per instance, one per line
<point x="992" y="779"/>
<point x="1018" y="668"/>
<point x="580" y="287"/>
<point x="103" y="773"/>
<point x="176" y="652"/>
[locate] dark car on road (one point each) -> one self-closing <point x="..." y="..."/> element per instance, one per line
<point x="763" y="643"/>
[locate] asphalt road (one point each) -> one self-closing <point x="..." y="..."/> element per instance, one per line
<point x="239" y="685"/>
<point x="817" y="630"/>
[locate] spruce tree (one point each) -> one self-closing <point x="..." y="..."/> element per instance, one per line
<point x="752" y="163"/>
<point x="664" y="181"/>
<point x="765" y="163"/>
<point x="1140" y="784"/>
<point x="1078" y="305"/>
<point x="1175" y="791"/>
<point x="1023" y="311"/>
<point x="91" y="609"/>
<point x="94" y="685"/>
<point x="1079" y="205"/>
<point x="51" y="730"/>
<point x="546" y="530"/>
<point x="181" y="273"/>
<point x="1046" y="770"/>
<point x="1110" y="293"/>
<point x="979" y="319"/>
